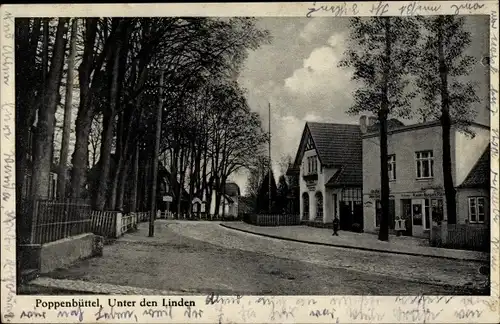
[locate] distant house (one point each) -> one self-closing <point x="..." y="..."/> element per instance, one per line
<point x="329" y="166"/>
<point x="229" y="201"/>
<point x="168" y="187"/>
<point x="166" y="191"/>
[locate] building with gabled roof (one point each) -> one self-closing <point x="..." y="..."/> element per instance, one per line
<point x="329" y="167"/>
<point x="473" y="195"/>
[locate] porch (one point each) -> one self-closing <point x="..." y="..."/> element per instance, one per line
<point x="319" y="209"/>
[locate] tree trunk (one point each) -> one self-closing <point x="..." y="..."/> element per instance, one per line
<point x="120" y="163"/>
<point x="382" y="116"/>
<point x="147" y="184"/>
<point x="192" y="178"/>
<point x="135" y="181"/>
<point x="26" y="46"/>
<point x="45" y="128"/>
<point x="182" y="173"/>
<point x="445" y="119"/>
<point x="107" y="140"/>
<point x="85" y="113"/>
<point x="63" y="161"/>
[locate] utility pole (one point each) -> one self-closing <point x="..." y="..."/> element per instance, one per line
<point x="270" y="163"/>
<point x="155" y="158"/>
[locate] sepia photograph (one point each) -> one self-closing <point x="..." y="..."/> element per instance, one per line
<point x="238" y="155"/>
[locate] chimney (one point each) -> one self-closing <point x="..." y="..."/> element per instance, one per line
<point x="362" y="124"/>
<point x="371" y="121"/>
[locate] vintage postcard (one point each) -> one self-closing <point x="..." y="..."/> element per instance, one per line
<point x="304" y="162"/>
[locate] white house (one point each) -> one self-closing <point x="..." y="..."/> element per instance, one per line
<point x="329" y="165"/>
<point x="229" y="201"/>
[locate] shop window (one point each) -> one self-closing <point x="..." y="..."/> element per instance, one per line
<point x="417" y="214"/>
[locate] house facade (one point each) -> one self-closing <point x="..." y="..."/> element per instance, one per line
<point x="415" y="173"/>
<point x="473" y="195"/>
<point x="329" y="167"/>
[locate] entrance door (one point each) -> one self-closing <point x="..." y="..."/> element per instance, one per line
<point x="406" y="215"/>
<point x="345" y="216"/>
<point x="335" y="212"/>
<point x="358" y="215"/>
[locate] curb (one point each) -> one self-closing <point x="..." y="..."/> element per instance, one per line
<point x="350" y="247"/>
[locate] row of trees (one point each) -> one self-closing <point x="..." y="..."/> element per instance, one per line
<point x="127" y="74"/>
<point x="390" y="53"/>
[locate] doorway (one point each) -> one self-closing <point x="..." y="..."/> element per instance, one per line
<point x="406" y="215"/>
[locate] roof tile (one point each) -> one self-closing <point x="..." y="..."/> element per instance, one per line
<point x="339" y="145"/>
<point x="479" y="176"/>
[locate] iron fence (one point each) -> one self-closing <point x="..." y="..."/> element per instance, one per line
<point x="53" y="220"/>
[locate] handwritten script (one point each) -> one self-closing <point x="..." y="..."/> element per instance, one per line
<point x="336" y="10"/>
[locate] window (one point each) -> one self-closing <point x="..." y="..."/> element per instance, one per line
<point x="305" y="203"/>
<point x="391" y="164"/>
<point x="319" y="205"/>
<point x="476" y="209"/>
<point x="312" y="165"/>
<point x="425" y="164"/>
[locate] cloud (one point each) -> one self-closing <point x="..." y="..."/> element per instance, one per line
<point x="320" y="74"/>
<point x="314" y="29"/>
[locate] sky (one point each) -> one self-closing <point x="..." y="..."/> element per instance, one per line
<point x="297" y="74"/>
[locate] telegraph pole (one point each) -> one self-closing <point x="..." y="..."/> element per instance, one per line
<point x="155" y="157"/>
<point x="270" y="164"/>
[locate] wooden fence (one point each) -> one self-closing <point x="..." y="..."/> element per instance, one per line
<point x="272" y="220"/>
<point x="143" y="216"/>
<point x="52" y="220"/>
<point x="461" y="236"/>
<point x="104" y="223"/>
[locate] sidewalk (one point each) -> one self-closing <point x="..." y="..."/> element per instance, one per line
<point x="361" y="241"/>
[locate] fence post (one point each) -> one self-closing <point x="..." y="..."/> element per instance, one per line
<point x="118" y="229"/>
